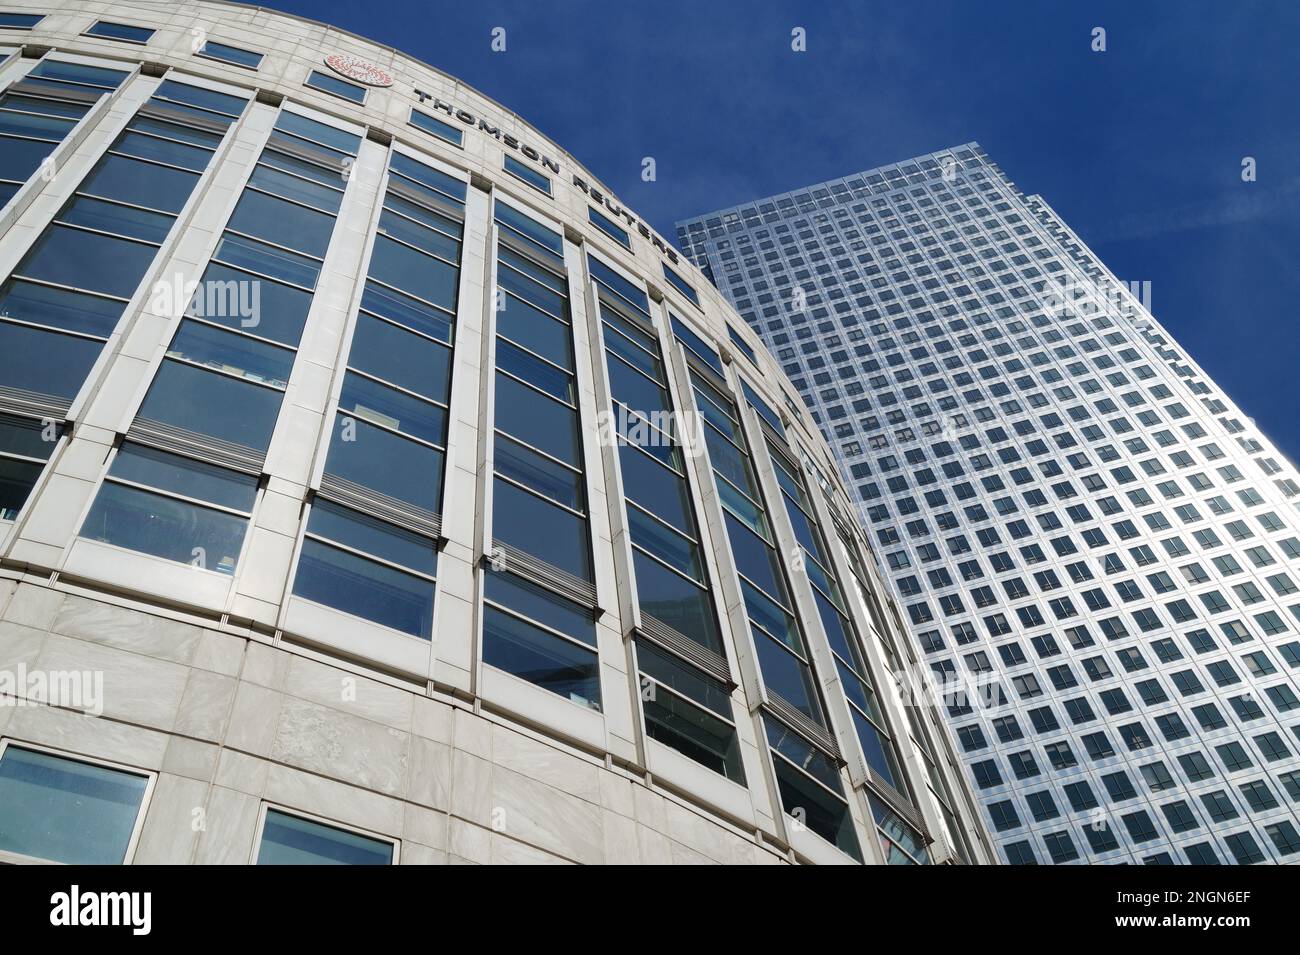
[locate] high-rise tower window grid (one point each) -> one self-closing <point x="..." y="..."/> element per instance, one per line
<point x="1050" y="491"/>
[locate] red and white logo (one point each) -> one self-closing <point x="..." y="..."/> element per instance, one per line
<point x="354" y="68"/>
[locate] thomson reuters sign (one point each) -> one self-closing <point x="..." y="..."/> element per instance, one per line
<point x="355" y="68"/>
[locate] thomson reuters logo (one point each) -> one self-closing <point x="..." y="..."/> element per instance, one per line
<point x="354" y="68"/>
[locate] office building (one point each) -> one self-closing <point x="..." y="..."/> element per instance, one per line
<point x="1096" y="550"/>
<point x="375" y="488"/>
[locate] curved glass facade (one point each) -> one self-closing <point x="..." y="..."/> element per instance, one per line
<point x="348" y="426"/>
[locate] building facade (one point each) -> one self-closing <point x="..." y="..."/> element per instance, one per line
<point x="1095" y="548"/>
<point x="375" y="488"/>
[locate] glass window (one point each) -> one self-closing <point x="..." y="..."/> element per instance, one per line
<point x="152" y="146"/>
<point x="320" y="134"/>
<point x="119" y="219"/>
<point x="902" y="844"/>
<point x="251" y="303"/>
<point x="392" y="409"/>
<point x="282" y="223"/>
<point x="254" y="256"/>
<point x="810" y="788"/>
<point x="746" y="349"/>
<point x="787" y="676"/>
<point x="120" y="31"/>
<point x="186" y="511"/>
<point x="46" y="127"/>
<point x="336" y="86"/>
<point x="20" y="21"/>
<point x="694" y="343"/>
<point x="526" y="227"/>
<point x="65" y="810"/>
<point x="528" y="174"/>
<point x="536" y="330"/>
<point x="441" y="186"/>
<point x="401" y="357"/>
<point x="540" y="637"/>
<point x="410" y="270"/>
<point x="413" y="225"/>
<point x="19" y="158"/>
<point x="141" y="183"/>
<point x="25" y="446"/>
<point x="539" y="473"/>
<point x="660" y="490"/>
<point x="551" y="379"/>
<point x="45" y="362"/>
<point x="368" y="568"/>
<point x="231" y="54"/>
<point x="546" y="424"/>
<point x="87" y="260"/>
<point x="56" y="71"/>
<point x="292" y="840"/>
<point x="609" y="227"/>
<point x="406" y="311"/>
<point x="763" y="408"/>
<point x="293" y="178"/>
<point x="444" y="131"/>
<point x="391" y="424"/>
<point x="237" y="355"/>
<point x="688" y="711"/>
<point x="540" y="528"/>
<point x="679" y="283"/>
<point x="384" y="461"/>
<point x="212" y="403"/>
<point x="626" y="291"/>
<point x="672" y="599"/>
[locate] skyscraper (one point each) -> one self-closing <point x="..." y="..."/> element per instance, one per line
<point x="376" y="488"/>
<point x="1096" y="550"/>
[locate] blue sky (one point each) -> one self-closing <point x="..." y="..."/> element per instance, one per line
<point x="1138" y="148"/>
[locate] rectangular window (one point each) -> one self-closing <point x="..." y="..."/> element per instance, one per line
<point x="120" y="31"/>
<point x="689" y="711"/>
<point x="336" y="87"/>
<point x="765" y="411"/>
<point x="744" y="346"/>
<point x="368" y="568"/>
<point x="528" y="174"/>
<point x="289" y="839"/>
<point x="220" y="384"/>
<point x="679" y="283"/>
<point x="19" y="21"/>
<point x="66" y="810"/>
<point x="901" y="843"/>
<point x="231" y="54"/>
<point x="173" y="507"/>
<point x="539" y="636"/>
<point x="810" y="788"/>
<point x="25" y="446"/>
<point x="696" y="345"/>
<point x="436" y="127"/>
<point x="855" y="680"/>
<point x="608" y="226"/>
